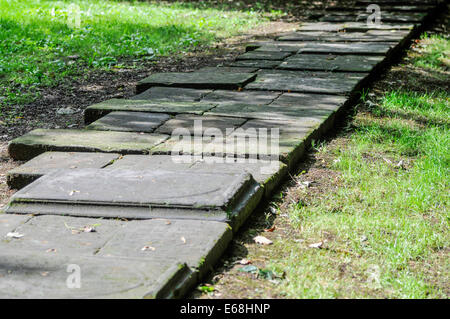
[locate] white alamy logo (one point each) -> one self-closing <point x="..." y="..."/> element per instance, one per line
<point x="73" y="281"/>
<point x="374" y="19"/>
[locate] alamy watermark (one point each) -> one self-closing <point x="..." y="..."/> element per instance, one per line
<point x="73" y="281"/>
<point x="374" y="19"/>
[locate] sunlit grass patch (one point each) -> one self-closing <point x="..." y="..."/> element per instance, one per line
<point x="434" y="52"/>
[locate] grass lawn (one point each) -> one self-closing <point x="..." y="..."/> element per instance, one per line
<point x="368" y="217"/>
<point x="41" y="43"/>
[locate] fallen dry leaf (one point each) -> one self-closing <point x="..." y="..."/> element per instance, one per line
<point x="316" y="245"/>
<point x="262" y="240"/>
<point x="51" y="250"/>
<point x="245" y="261"/>
<point x="183" y="240"/>
<point x="270" y="230"/>
<point x="145" y="248"/>
<point x="14" y="235"/>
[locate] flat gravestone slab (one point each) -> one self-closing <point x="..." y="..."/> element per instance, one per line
<point x="258" y="55"/>
<point x="32" y="274"/>
<point x="353" y="26"/>
<point x="66" y="236"/>
<point x="96" y="111"/>
<point x="129" y="122"/>
<point x="197" y="80"/>
<point x="198" y="125"/>
<point x="51" y="161"/>
<point x="379" y="48"/>
<point x="168" y="94"/>
<point x="321" y="62"/>
<point x="259" y="64"/>
<point x="140" y="195"/>
<point x="9" y="223"/>
<point x="42" y="140"/>
<point x="362" y="16"/>
<point x="268" y="173"/>
<point x="304" y="82"/>
<point x="228" y="69"/>
<point x="245" y="97"/>
<point x="369" y="36"/>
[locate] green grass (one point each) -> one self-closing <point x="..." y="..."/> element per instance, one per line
<point x="435" y="52"/>
<point x="36" y="40"/>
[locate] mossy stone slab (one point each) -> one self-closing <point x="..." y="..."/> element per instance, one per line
<point x="307" y="82"/>
<point x="198" y="125"/>
<point x="96" y="111"/>
<point x="228" y="69"/>
<point x="197" y="80"/>
<point x="51" y="161"/>
<point x="42" y="140"/>
<point x="129" y="122"/>
<point x="353" y="26"/>
<point x="329" y="62"/>
<point x="168" y="94"/>
<point x="238" y="97"/>
<point x="259" y="55"/>
<point x="362" y="17"/>
<point x="259" y="64"/>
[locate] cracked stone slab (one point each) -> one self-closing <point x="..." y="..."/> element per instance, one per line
<point x="168" y="94"/>
<point x="228" y="69"/>
<point x="197" y="80"/>
<point x="268" y="173"/>
<point x="259" y="55"/>
<point x="245" y="97"/>
<point x="307" y="82"/>
<point x="197" y="125"/>
<point x="96" y="111"/>
<point x="51" y="161"/>
<point x="369" y="36"/>
<point x="42" y="140"/>
<point x="352" y="26"/>
<point x="129" y="122"/>
<point x="31" y="274"/>
<point x="259" y="64"/>
<point x="141" y="194"/>
<point x="321" y="62"/>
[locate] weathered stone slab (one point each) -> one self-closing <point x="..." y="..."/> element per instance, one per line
<point x="51" y="161"/>
<point x="353" y="26"/>
<point x="96" y="111"/>
<point x="369" y="36"/>
<point x="362" y="17"/>
<point x="196" y="80"/>
<point x="33" y="274"/>
<point x="244" y="97"/>
<point x="9" y="223"/>
<point x="197" y="125"/>
<point x="310" y="101"/>
<point x="129" y="122"/>
<point x="304" y="82"/>
<point x="390" y="8"/>
<point x="120" y="193"/>
<point x="268" y="173"/>
<point x="329" y="62"/>
<point x="259" y="64"/>
<point x="41" y="140"/>
<point x="259" y="55"/>
<point x="228" y="69"/>
<point x="168" y="94"/>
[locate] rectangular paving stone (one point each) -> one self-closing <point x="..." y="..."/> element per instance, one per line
<point x="245" y="97"/>
<point x="259" y="64"/>
<point x="50" y="161"/>
<point x="198" y="125"/>
<point x="353" y="26"/>
<point x="369" y="36"/>
<point x="36" y="275"/>
<point x="306" y="82"/>
<point x="168" y="94"/>
<point x="391" y="8"/>
<point x="196" y="80"/>
<point x="362" y="17"/>
<point x="42" y="140"/>
<point x="96" y="111"/>
<point x="329" y="62"/>
<point x="268" y="173"/>
<point x="129" y="122"/>
<point x="228" y="69"/>
<point x="142" y="194"/>
<point x="379" y="48"/>
<point x="259" y="55"/>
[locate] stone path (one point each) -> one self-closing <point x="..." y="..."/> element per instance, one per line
<point x="145" y="200"/>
